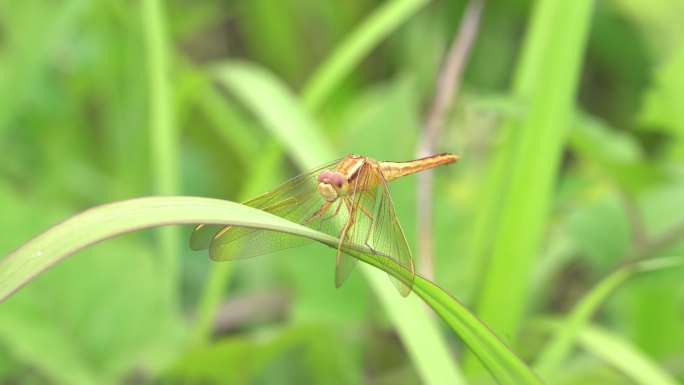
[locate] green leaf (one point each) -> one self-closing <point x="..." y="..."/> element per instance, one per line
<point x="659" y="22"/>
<point x="277" y="109"/>
<point x="103" y="222"/>
<point x="617" y="154"/>
<point x="624" y="356"/>
<point x="662" y="104"/>
<point x="247" y="359"/>
<point x="92" y="320"/>
<point x="554" y="354"/>
<point x="616" y="351"/>
<point x="119" y="327"/>
<point x="238" y="132"/>
<point x="355" y="47"/>
<point x="29" y="40"/>
<point x="520" y="184"/>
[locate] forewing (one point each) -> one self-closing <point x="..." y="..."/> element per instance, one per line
<point x="233" y="242"/>
<point x="296" y="200"/>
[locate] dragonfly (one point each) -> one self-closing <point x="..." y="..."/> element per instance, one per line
<point x="348" y="199"/>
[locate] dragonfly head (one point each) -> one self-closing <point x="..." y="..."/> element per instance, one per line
<point x="332" y="184"/>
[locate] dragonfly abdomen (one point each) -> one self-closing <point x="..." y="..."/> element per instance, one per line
<point x="394" y="170"/>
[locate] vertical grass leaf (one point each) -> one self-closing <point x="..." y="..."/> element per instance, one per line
<point x="355" y="47"/>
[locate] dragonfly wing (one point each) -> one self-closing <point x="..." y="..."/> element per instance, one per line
<point x="202" y="236"/>
<point x="247" y="243"/>
<point x="389" y="240"/>
<point x="343" y="267"/>
<point x="233" y="242"/>
<point x="358" y="228"/>
<point x="296" y="200"/>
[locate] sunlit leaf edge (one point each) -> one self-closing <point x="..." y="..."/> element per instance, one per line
<point x="103" y="222"/>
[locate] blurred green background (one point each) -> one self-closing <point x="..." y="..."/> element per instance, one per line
<point x="572" y="166"/>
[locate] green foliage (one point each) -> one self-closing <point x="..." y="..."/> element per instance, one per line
<point x="104" y="222"/>
<point x="554" y="353"/>
<point x="568" y="123"/>
<point x="245" y="360"/>
<point x="60" y="329"/>
<point x="522" y="177"/>
<point x="357" y="45"/>
<point x="637" y="366"/>
<point x="662" y="105"/>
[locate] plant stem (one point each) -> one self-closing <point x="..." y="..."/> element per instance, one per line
<point x="355" y="47"/>
<point x="163" y="131"/>
<point x="448" y="83"/>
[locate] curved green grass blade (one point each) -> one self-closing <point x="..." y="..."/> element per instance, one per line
<point x="104" y="222"/>
<point x="355" y="47"/>
<point x="552" y="357"/>
<point x="502" y="363"/>
<point x="624" y="356"/>
<point x="616" y="351"/>
<point x="276" y="109"/>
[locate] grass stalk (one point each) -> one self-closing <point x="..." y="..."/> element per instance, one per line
<point x="163" y="130"/>
<point x="522" y="179"/>
<point x="357" y="45"/>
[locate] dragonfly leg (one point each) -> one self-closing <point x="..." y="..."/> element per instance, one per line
<point x="368" y="214"/>
<point x="344" y="230"/>
<point x="370" y="227"/>
<point x="319" y="213"/>
<point x="348" y="202"/>
<point x="351" y="220"/>
<point x="337" y="211"/>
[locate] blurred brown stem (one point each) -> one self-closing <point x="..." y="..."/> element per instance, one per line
<point x="637" y="227"/>
<point x="448" y="84"/>
<point x="244" y="309"/>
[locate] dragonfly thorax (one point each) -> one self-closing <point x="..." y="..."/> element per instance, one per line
<point x="332" y="185"/>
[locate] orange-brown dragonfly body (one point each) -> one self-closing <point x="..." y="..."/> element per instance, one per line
<point x="348" y="199"/>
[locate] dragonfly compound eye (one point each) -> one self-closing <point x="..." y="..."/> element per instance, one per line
<point x="339" y="183"/>
<point x="336" y="179"/>
<point x="324" y="177"/>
